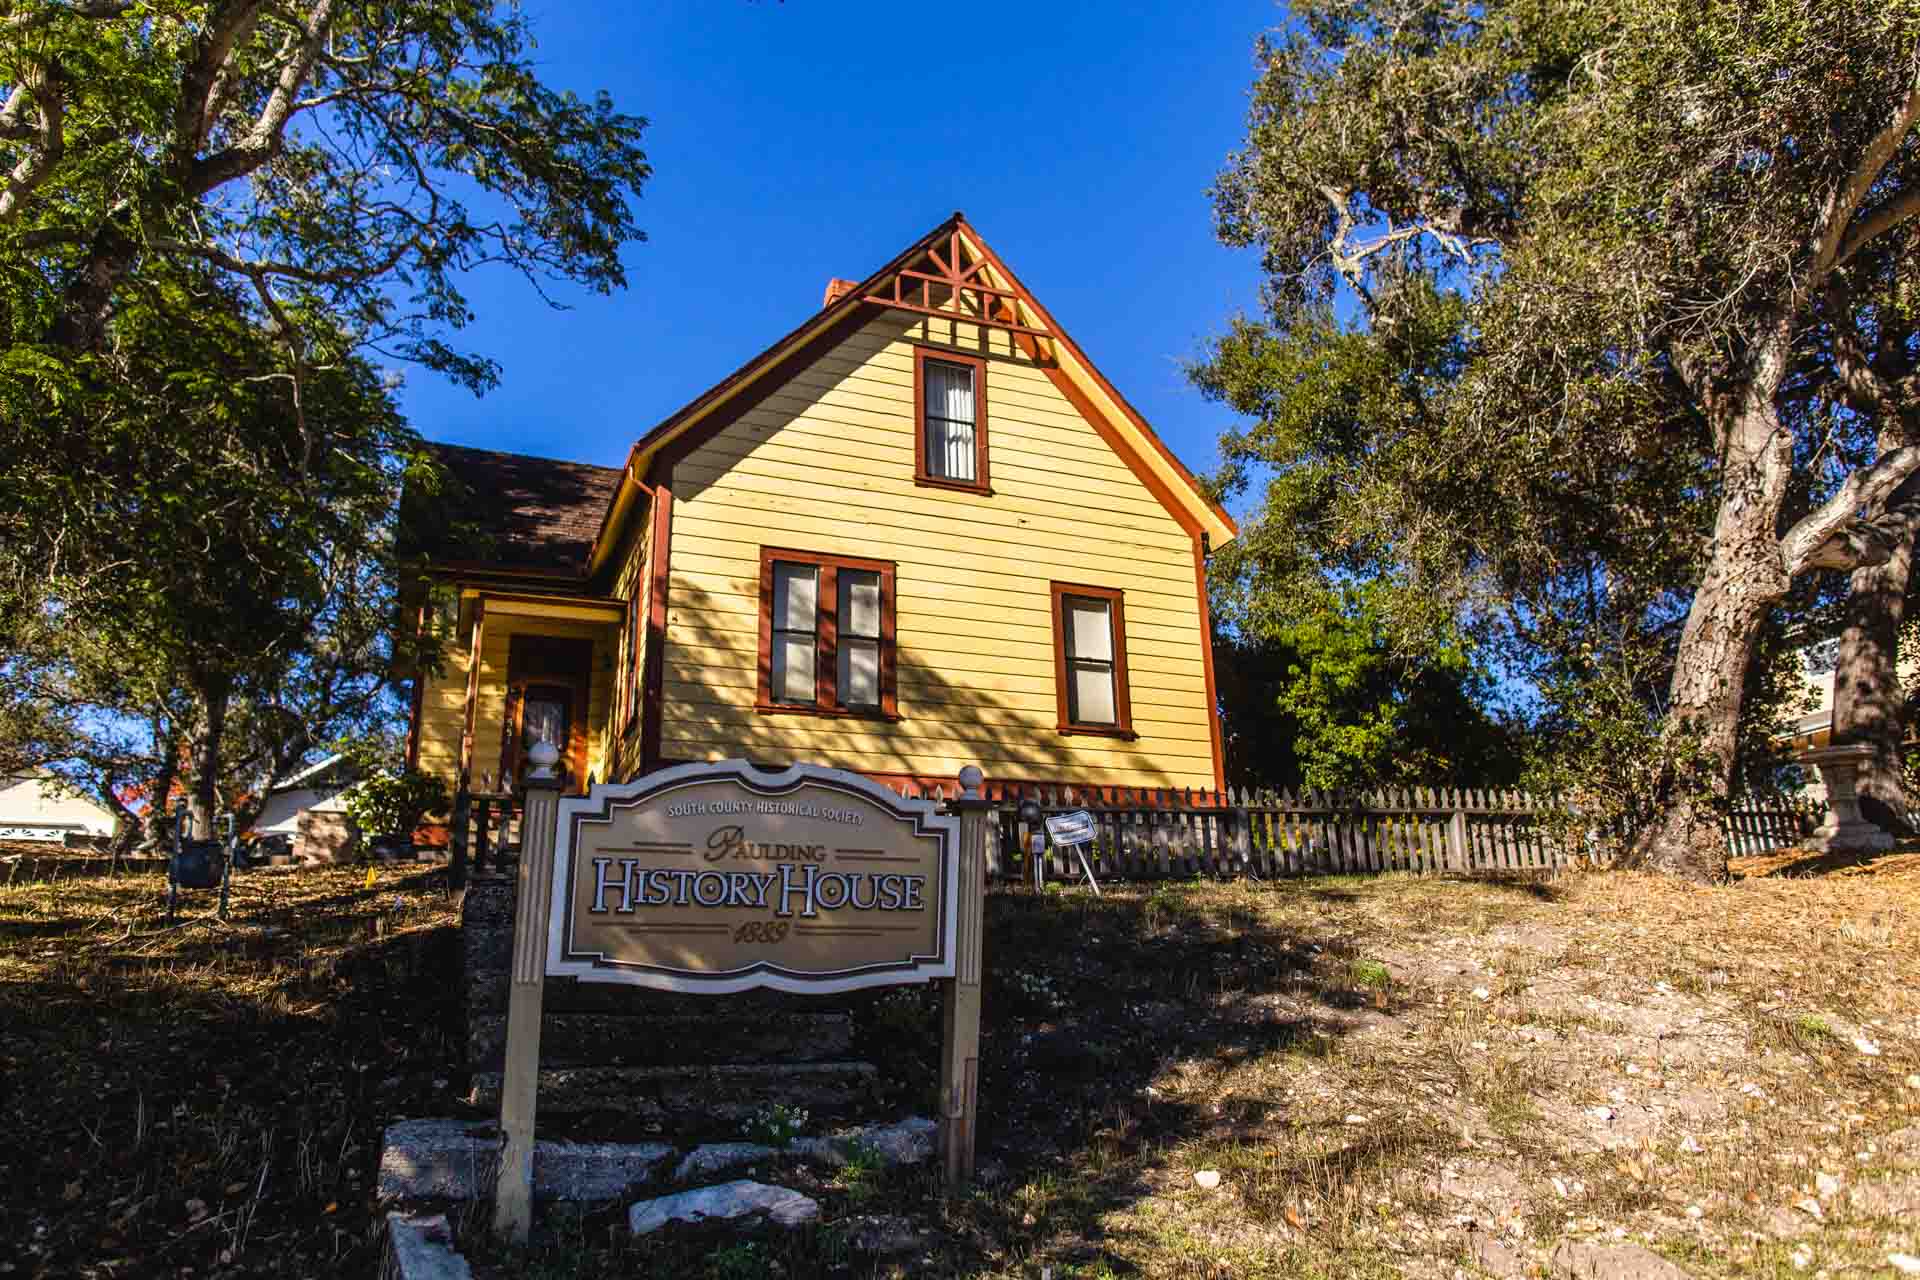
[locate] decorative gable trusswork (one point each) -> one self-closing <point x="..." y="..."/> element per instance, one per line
<point x="953" y="281"/>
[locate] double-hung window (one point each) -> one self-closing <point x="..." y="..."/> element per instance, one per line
<point x="826" y="635"/>
<point x="1090" y="660"/>
<point x="950" y="398"/>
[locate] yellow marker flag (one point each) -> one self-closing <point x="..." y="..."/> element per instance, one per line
<point x="370" y="874"/>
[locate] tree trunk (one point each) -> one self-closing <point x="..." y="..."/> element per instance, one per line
<point x="1867" y="697"/>
<point x="1744" y="577"/>
<point x="167" y="744"/>
<point x="81" y="323"/>
<point x="203" y="794"/>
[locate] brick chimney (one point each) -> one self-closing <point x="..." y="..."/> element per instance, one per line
<point x="838" y="289"/>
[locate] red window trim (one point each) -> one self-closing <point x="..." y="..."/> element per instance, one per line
<point x="982" y="481"/>
<point x="1122" y="695"/>
<point x="826" y="656"/>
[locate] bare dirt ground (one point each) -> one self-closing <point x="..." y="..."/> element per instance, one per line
<point x="1606" y="1075"/>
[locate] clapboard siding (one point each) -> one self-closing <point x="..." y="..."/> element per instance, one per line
<point x="443" y="716"/>
<point x="825" y="463"/>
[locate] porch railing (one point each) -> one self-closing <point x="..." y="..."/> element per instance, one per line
<point x="485" y="829"/>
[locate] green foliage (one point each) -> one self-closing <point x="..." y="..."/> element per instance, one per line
<point x="349" y="159"/>
<point x="1370" y="973"/>
<point x="742" y="1260"/>
<point x="215" y="213"/>
<point x="1333" y="674"/>
<point x="1325" y="701"/>
<point x="777" y="1124"/>
<point x="394" y="804"/>
<point x="1588" y="253"/>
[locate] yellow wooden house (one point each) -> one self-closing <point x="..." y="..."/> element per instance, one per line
<point x="918" y="532"/>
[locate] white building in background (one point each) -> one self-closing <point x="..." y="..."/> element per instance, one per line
<point x="1812" y="726"/>
<point x="40" y="806"/>
<point x="315" y="789"/>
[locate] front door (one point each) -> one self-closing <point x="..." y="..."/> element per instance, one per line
<point x="547" y="684"/>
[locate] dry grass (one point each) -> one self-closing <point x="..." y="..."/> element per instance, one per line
<point x="1376" y="1068"/>
<point x="209" y="1096"/>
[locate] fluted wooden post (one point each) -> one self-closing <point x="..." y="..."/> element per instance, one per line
<point x="513" y="1193"/>
<point x="960" y="1053"/>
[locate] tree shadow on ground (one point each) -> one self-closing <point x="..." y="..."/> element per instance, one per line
<point x="1538" y="885"/>
<point x="1100" y="1015"/>
<point x="1902" y="859"/>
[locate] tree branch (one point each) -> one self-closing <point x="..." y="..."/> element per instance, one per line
<point x="264" y="138"/>
<point x="43" y="84"/>
<point x="44" y="13"/>
<point x="1880" y="221"/>
<point x="1837" y="216"/>
<point x="1833" y="535"/>
<point x="205" y="80"/>
<point x="1862" y="387"/>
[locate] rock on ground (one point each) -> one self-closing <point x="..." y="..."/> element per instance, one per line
<point x="908" y="1142"/>
<point x="421" y="1248"/>
<point x="715" y="1156"/>
<point x="1494" y="1257"/>
<point x="726" y="1202"/>
<point x="884" y="1234"/>
<point x="1612" y="1262"/>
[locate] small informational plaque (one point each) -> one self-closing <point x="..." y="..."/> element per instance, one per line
<point x="719" y="877"/>
<point x="1071" y="828"/>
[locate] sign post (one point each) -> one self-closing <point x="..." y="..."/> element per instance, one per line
<point x="960" y="994"/>
<point x="513" y="1193"/>
<point x="718" y="878"/>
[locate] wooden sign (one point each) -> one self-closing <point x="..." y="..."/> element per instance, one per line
<point x="721" y="878"/>
<point x="718" y="878"/>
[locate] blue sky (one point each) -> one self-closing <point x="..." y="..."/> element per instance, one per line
<point x="794" y="142"/>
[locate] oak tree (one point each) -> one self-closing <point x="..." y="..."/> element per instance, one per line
<point x="1645" y="206"/>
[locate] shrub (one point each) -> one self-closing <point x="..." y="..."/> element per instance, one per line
<point x="393" y="804"/>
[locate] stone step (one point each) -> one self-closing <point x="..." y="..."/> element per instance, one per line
<point x="638" y="1040"/>
<point x="690" y="1102"/>
<point x="460" y="1160"/>
<point x="444" y="1159"/>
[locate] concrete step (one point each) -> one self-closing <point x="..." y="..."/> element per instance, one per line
<point x="638" y="1039"/>
<point x="692" y="1102"/>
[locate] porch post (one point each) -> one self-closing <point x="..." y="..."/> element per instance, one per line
<point x="960" y="994"/>
<point x="513" y="1193"/>
<point x="457" y="852"/>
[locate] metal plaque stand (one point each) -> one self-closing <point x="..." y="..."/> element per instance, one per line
<point x="1080" y="852"/>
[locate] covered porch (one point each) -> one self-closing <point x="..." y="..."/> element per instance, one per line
<point x="531" y="667"/>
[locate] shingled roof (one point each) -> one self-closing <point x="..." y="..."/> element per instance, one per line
<point x="519" y="512"/>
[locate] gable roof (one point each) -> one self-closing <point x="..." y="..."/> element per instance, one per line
<point x="522" y="513"/>
<point x="1118" y="421"/>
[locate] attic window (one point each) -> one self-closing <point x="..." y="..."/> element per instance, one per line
<point x="950" y="399"/>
